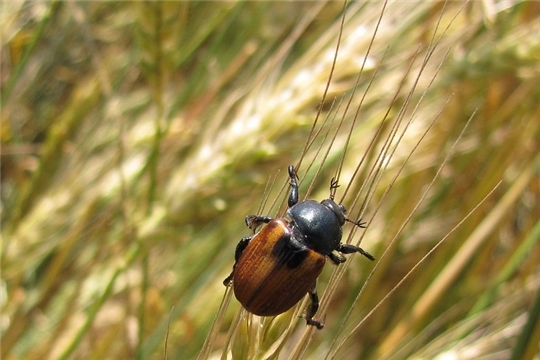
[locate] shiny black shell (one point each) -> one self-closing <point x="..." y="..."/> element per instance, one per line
<point x="276" y="269"/>
<point x="318" y="225"/>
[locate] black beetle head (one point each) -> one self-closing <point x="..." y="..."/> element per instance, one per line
<point x="338" y="210"/>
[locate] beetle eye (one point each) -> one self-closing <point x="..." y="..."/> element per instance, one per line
<point x="342" y="207"/>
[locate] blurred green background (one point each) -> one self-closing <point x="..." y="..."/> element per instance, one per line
<point x="136" y="136"/>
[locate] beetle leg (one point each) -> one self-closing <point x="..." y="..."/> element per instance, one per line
<point x="293" y="195"/>
<point x="254" y="221"/>
<point x="333" y="186"/>
<point x="336" y="259"/>
<point x="359" y="223"/>
<point x="238" y="252"/>
<point x="313" y="307"/>
<point x="349" y="249"/>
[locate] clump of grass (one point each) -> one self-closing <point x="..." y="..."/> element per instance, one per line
<point x="134" y="144"/>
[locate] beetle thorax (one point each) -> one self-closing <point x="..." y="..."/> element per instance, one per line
<point x="317" y="225"/>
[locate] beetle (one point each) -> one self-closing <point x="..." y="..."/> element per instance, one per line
<point x="277" y="266"/>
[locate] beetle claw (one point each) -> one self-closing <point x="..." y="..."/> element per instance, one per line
<point x="228" y="281"/>
<point x="359" y="223"/>
<point x="314" y="322"/>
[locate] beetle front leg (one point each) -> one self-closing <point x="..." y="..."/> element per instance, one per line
<point x="254" y="221"/>
<point x="313" y="307"/>
<point x="336" y="258"/>
<point x="293" y="195"/>
<point x="238" y="252"/>
<point x="349" y="249"/>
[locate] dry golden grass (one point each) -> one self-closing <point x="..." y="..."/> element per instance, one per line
<point x="136" y="136"/>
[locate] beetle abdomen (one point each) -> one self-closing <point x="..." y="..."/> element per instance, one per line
<point x="274" y="273"/>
